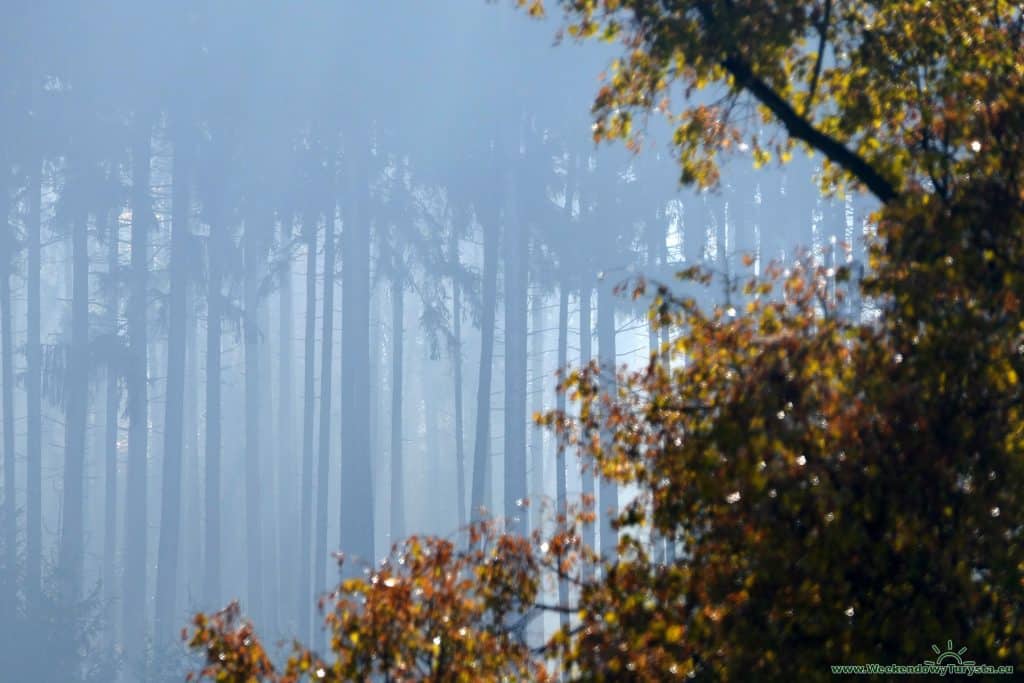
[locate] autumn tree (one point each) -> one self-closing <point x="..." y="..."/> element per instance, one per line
<point x="838" y="490"/>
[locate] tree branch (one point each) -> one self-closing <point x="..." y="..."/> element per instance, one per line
<point x="801" y="129"/>
<point x="823" y="38"/>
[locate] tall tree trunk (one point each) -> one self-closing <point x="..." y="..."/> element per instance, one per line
<point x="191" y="563"/>
<point x="72" y="544"/>
<point x="609" y="490"/>
<point x="666" y="361"/>
<point x="482" y="437"/>
<point x="253" y="256"/>
<point x="695" y="221"/>
<point x="536" y="391"/>
<point x="10" y="528"/>
<point x="431" y="459"/>
<point x="587" y="471"/>
<point x="653" y="344"/>
<point x="324" y="441"/>
<point x="33" y="391"/>
<point x="373" y="397"/>
<point x="561" y="488"/>
<point x="113" y="404"/>
<point x="166" y="622"/>
<point x="456" y="351"/>
<point x="397" y="423"/>
<point x="308" y="419"/>
<point x="357" y="529"/>
<point x="212" y="495"/>
<point x="657" y="261"/>
<point x="516" y="515"/>
<point x="268" y="506"/>
<point x="286" y="483"/>
<point x="136" y="525"/>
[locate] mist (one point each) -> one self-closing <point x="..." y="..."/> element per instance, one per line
<point x="281" y="281"/>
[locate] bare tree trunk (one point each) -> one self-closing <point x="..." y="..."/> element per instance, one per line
<point x="657" y="542"/>
<point x="10" y="528"/>
<point x="609" y="490"/>
<point x="72" y="544"/>
<point x="561" y="493"/>
<point x="165" y="625"/>
<point x="134" y="595"/>
<point x="308" y="418"/>
<point x="456" y="351"/>
<point x="33" y="391"/>
<point x="357" y="529"/>
<point x="112" y="409"/>
<point x="397" y="423"/>
<point x="666" y="360"/>
<point x="482" y="443"/>
<point x="212" y="493"/>
<point x="324" y="453"/>
<point x="286" y="483"/>
<point x="268" y="465"/>
<point x="587" y="472"/>
<point x="191" y="564"/>
<point x="516" y="283"/>
<point x="253" y="256"/>
<point x="536" y="391"/>
<point x="657" y="259"/>
<point x="431" y="460"/>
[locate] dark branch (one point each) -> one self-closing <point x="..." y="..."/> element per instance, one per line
<point x="801" y="129"/>
<point x="822" y="41"/>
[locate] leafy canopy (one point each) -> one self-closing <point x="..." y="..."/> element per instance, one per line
<point x="896" y="95"/>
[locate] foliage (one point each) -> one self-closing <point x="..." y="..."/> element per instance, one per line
<point x="431" y="611"/>
<point x="897" y="94"/>
<point x="842" y="492"/>
<point x="838" y="490"/>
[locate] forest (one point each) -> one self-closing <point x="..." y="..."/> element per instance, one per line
<point x="618" y="340"/>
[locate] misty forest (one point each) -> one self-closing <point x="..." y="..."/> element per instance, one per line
<point x="284" y="284"/>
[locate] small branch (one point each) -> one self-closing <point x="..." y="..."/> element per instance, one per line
<point x="823" y="38"/>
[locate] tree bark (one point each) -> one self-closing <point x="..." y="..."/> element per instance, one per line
<point x="609" y="490"/>
<point x="10" y="528"/>
<point x="212" y="494"/>
<point x="136" y="525"/>
<point x="190" y="566"/>
<point x="324" y="453"/>
<point x="561" y="488"/>
<point x="253" y="256"/>
<point x="516" y="515"/>
<point x="587" y="471"/>
<point x="536" y="391"/>
<point x="397" y="422"/>
<point x="456" y="352"/>
<point x="308" y="418"/>
<point x="33" y="391"/>
<point x="482" y="442"/>
<point x="357" y="508"/>
<point x="268" y="464"/>
<point x="111" y="413"/>
<point x="72" y="544"/>
<point x="286" y="483"/>
<point x="166" y="621"/>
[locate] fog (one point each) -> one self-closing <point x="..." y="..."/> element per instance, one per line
<point x="285" y="279"/>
